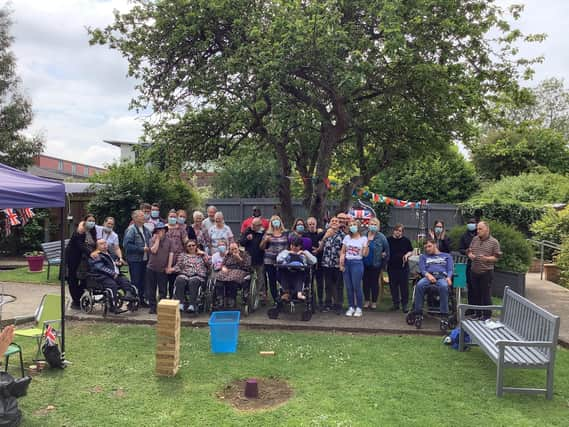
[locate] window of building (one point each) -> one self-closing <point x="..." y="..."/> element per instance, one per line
<point x="74" y="169"/>
<point x="60" y="165"/>
<point x="86" y="168"/>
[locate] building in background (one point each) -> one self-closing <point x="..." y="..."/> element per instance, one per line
<point x="60" y="169"/>
<point x="127" y="149"/>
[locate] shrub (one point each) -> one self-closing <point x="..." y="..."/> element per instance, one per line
<point x="517" y="252"/>
<point x="27" y="238"/>
<point x="563" y="263"/>
<point x="519" y="200"/>
<point x="553" y="226"/>
<point x="125" y="186"/>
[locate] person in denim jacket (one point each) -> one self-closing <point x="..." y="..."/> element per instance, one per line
<point x="137" y="246"/>
<point x="373" y="263"/>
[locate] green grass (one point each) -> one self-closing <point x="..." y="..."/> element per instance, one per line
<point x="23" y="275"/>
<point x="338" y="380"/>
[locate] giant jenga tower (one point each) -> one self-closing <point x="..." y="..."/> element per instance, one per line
<point x="168" y="338"/>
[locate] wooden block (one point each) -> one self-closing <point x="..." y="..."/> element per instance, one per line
<point x="267" y="353"/>
<point x="168" y="329"/>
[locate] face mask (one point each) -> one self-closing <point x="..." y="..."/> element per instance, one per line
<point x="172" y="220"/>
<point x="221" y="249"/>
<point x="276" y="223"/>
<point x="256" y="215"/>
<point x="438" y="230"/>
<point x="353" y="229"/>
<point x="155" y="214"/>
<point x="373" y="228"/>
<point x="89" y="224"/>
<point x="181" y="220"/>
<point x="471" y="227"/>
<point x="107" y="229"/>
<point x="146" y="217"/>
<point x="300" y="228"/>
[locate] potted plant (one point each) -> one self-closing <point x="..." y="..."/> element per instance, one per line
<point x="35" y="261"/>
<point x="516" y="257"/>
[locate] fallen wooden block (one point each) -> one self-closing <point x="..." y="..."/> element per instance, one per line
<point x="267" y="353"/>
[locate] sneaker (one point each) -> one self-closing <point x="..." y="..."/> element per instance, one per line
<point x="350" y="312"/>
<point x="326" y="309"/>
<point x="152" y="310"/>
<point x="358" y="312"/>
<point x="373" y="306"/>
<point x="366" y="305"/>
<point x="405" y="309"/>
<point x="191" y="309"/>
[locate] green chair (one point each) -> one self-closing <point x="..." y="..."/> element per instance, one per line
<point x="13" y="349"/>
<point x="48" y="313"/>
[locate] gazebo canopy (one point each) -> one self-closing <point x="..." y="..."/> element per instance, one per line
<point x="19" y="189"/>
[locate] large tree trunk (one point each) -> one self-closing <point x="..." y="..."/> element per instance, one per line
<point x="347" y="190"/>
<point x="285" y="195"/>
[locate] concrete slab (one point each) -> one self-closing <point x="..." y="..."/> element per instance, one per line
<point x="23" y="299"/>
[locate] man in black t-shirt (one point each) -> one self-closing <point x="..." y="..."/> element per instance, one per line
<point x="400" y="249"/>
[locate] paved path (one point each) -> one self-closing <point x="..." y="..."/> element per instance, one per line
<point x="553" y="298"/>
<point x="545" y="294"/>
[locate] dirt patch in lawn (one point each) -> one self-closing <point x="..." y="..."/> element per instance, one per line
<point x="272" y="394"/>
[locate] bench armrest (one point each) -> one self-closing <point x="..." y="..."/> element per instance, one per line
<point x="508" y="343"/>
<point x="463" y="307"/>
<point x="18" y="320"/>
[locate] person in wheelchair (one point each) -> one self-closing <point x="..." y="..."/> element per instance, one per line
<point x="234" y="274"/>
<point x="436" y="268"/>
<point x="105" y="271"/>
<point x="192" y="268"/>
<point x="292" y="278"/>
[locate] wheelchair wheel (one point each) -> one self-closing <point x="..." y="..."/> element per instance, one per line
<point x="86" y="302"/>
<point x="452" y="322"/>
<point x="132" y="305"/>
<point x="444" y="325"/>
<point x="253" y="302"/>
<point x="410" y="318"/>
<point x="245" y="310"/>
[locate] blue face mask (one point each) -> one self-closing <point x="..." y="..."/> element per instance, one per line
<point x="172" y="220"/>
<point x="146" y="217"/>
<point x="353" y="229"/>
<point x="155" y="214"/>
<point x="276" y="223"/>
<point x="181" y="220"/>
<point x="471" y="227"/>
<point x="373" y="228"/>
<point x="221" y="249"/>
<point x="300" y="228"/>
<point x="438" y="230"/>
<point x="107" y="229"/>
<point x="89" y="224"/>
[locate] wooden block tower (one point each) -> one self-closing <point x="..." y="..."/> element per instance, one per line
<point x="168" y="338"/>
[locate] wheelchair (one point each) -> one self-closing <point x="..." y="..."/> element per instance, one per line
<point x="203" y="299"/>
<point x="247" y="294"/>
<point x="432" y="299"/>
<point x="307" y="290"/>
<point x="96" y="294"/>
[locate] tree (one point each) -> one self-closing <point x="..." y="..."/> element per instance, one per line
<point x="246" y="174"/>
<point x="440" y="177"/>
<point x="219" y="73"/>
<point x="518" y="150"/>
<point x="16" y="149"/>
<point x="121" y="189"/>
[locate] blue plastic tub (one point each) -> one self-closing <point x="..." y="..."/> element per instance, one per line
<point x="224" y="331"/>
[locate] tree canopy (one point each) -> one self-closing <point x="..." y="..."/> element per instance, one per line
<point x="370" y="80"/>
<point x="16" y="149"/>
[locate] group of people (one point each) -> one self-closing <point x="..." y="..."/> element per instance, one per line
<point x="171" y="258"/>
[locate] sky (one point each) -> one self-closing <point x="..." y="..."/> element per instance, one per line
<point x="80" y="93"/>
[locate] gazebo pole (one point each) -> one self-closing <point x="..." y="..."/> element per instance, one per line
<point x="62" y="279"/>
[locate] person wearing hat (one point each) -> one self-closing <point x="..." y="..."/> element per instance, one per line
<point x="160" y="257"/>
<point x="256" y="214"/>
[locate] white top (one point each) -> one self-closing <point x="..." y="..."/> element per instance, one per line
<point x="112" y="238"/>
<point x="354" y="247"/>
<point x="207" y="224"/>
<point x="216" y="234"/>
<point x="217" y="261"/>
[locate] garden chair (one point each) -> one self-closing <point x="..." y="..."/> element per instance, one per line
<point x="13" y="349"/>
<point x="48" y="313"/>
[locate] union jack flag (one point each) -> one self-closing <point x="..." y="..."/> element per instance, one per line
<point x="7" y="228"/>
<point x="12" y="217"/>
<point x="26" y="214"/>
<point x="364" y="214"/>
<point x="50" y="335"/>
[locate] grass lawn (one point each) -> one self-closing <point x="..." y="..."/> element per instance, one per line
<point x="338" y="380"/>
<point x="23" y="275"/>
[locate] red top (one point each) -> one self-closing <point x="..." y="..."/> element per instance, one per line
<point x="247" y="223"/>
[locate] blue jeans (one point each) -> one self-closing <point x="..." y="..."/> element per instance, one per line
<point x="353" y="273"/>
<point x="422" y="287"/>
<point x="137" y="271"/>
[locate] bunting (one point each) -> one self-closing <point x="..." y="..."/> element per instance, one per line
<point x="391" y="201"/>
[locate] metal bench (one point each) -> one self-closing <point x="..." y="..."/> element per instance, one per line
<point x="52" y="253"/>
<point x="527" y="339"/>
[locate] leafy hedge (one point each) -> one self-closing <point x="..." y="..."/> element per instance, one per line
<point x="563" y="263"/>
<point x="517" y="251"/>
<point x="519" y="200"/>
<point x="553" y="226"/>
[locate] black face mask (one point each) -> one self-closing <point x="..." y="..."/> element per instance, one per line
<point x="256" y="214"/>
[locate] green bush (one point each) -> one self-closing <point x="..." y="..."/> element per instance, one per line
<point x="517" y="252"/>
<point x="563" y="263"/>
<point x="125" y="186"/>
<point x="519" y="200"/>
<point x="553" y="226"/>
<point x="27" y="238"/>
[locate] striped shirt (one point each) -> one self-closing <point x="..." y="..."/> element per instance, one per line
<point x="486" y="247"/>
